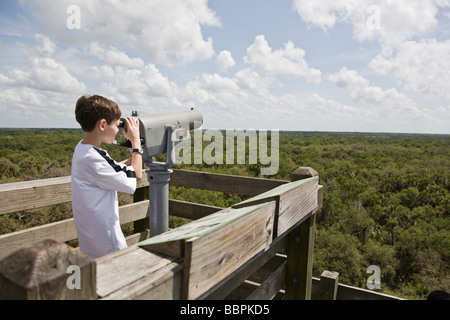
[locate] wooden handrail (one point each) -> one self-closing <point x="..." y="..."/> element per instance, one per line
<point x="34" y="194"/>
<point x="18" y="196"/>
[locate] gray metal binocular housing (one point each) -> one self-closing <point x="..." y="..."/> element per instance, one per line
<point x="160" y="133"/>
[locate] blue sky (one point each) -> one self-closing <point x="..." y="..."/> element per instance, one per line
<point x="329" y="65"/>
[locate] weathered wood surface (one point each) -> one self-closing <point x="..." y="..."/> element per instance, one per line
<point x="329" y="285"/>
<point x="271" y="286"/>
<point x="40" y="193"/>
<point x="135" y="273"/>
<point x="225" y="288"/>
<point x="262" y="284"/>
<point x="198" y="228"/>
<point x="65" y="230"/>
<point x="223" y="182"/>
<point x="226" y="242"/>
<point x="213" y="256"/>
<point x="190" y="210"/>
<point x="41" y="272"/>
<point x="346" y="292"/>
<point x="33" y="194"/>
<point x="300" y="260"/>
<point x="295" y="201"/>
<point x="26" y="195"/>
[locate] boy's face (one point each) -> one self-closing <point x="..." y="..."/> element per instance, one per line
<point x="111" y="130"/>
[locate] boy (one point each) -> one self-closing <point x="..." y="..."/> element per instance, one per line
<point x="96" y="177"/>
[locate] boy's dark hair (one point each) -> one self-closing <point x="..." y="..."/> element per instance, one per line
<point x="90" y="109"/>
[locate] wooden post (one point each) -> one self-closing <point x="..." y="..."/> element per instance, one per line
<point x="300" y="250"/>
<point x="47" y="270"/>
<point x="303" y="173"/>
<point x="300" y="261"/>
<point x="329" y="285"/>
<point x="140" y="195"/>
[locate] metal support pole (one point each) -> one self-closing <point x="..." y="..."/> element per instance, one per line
<point x="159" y="200"/>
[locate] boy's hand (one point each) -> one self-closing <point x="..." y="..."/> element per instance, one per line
<point x="132" y="132"/>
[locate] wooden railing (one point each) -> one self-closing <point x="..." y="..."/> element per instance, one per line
<point x="264" y="250"/>
<point x="35" y="194"/>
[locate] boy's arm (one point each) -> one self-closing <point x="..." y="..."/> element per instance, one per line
<point x="126" y="162"/>
<point x="132" y="134"/>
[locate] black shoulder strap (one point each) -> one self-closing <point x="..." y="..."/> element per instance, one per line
<point x="115" y="166"/>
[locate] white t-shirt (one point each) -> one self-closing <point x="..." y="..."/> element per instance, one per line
<point x="96" y="178"/>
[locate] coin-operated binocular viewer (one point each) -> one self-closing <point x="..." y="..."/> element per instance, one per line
<point x="160" y="134"/>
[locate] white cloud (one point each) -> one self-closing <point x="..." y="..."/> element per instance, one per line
<point x="130" y="51"/>
<point x="225" y="92"/>
<point x="224" y="61"/>
<point x="42" y="69"/>
<point x="380" y="103"/>
<point x="167" y="31"/>
<point x="43" y="73"/>
<point x="28" y="107"/>
<point x="42" y="91"/>
<point x="46" y="47"/>
<point x="324" y="14"/>
<point x="422" y="67"/>
<point x="398" y="20"/>
<point x="113" y="56"/>
<point x="288" y="61"/>
<point x="140" y="87"/>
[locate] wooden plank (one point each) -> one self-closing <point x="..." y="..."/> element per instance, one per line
<point x="268" y="268"/>
<point x="137" y="237"/>
<point x="319" y="198"/>
<point x="172" y="242"/>
<point x="297" y="204"/>
<point x="133" y="211"/>
<point x="345" y="292"/>
<point x="295" y="200"/>
<point x="190" y="210"/>
<point x="271" y="286"/>
<point x="63" y="231"/>
<point x="277" y="191"/>
<point x="25" y="195"/>
<point x="223" y="288"/>
<point x="243" y="290"/>
<point x="125" y="267"/>
<point x="162" y="284"/>
<point x="223" y="182"/>
<point x="211" y="257"/>
<point x="218" y="182"/>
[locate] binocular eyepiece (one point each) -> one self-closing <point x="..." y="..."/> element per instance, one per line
<point x="123" y="127"/>
<point x="122" y="124"/>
